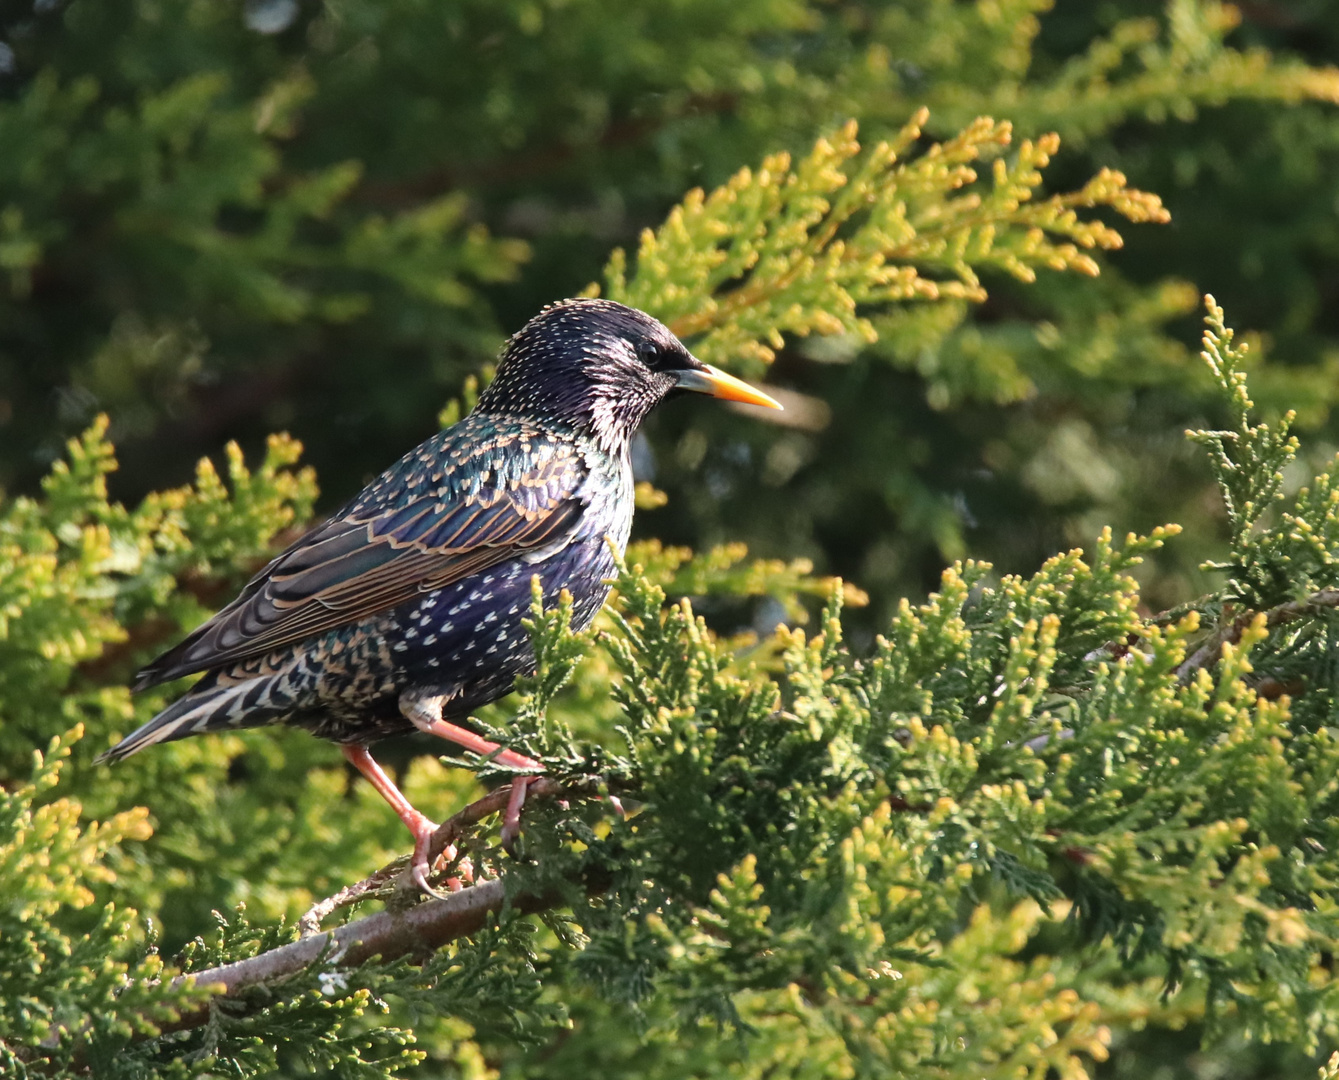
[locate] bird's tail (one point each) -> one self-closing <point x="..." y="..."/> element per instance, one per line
<point x="252" y="703"/>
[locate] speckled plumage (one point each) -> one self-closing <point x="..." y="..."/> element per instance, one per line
<point x="487" y="477"/>
<point x="404" y="609"/>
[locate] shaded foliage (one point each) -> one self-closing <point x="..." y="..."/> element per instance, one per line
<point x="1010" y="828"/>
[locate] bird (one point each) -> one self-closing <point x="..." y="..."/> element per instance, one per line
<point x="403" y="611"/>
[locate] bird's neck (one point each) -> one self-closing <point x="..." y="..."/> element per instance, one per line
<point x="607" y="421"/>
<point x="612" y="421"/>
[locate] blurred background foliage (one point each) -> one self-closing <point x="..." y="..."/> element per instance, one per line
<point x="229" y="219"/>
<point x="219" y="220"/>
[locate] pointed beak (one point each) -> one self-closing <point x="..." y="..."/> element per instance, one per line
<point x="714" y="381"/>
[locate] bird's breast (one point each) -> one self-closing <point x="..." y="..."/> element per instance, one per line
<point x="470" y="636"/>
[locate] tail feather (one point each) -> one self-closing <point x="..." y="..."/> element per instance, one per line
<point x="216" y="708"/>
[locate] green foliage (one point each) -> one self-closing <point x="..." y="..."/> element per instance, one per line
<point x="983" y="844"/>
<point x="91" y="994"/>
<point x="1248" y="461"/>
<point x="90" y="589"/>
<point x="75" y="988"/>
<point x="85" y="995"/>
<point x="77" y="570"/>
<point x="1003" y="830"/>
<point x="1139" y="67"/>
<point x="233" y="218"/>
<point x="794" y="252"/>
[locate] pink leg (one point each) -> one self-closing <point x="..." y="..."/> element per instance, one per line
<point x="511" y="820"/>
<point x="481" y="746"/>
<point x="419" y="825"/>
<point x="426" y="714"/>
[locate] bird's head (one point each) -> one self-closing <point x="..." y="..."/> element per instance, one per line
<point x="601" y="367"/>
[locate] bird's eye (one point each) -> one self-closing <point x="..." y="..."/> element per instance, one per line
<point x="648" y="353"/>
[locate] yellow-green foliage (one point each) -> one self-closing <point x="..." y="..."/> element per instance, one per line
<point x="75" y="986"/>
<point x="800" y="250"/>
<point x="1018" y="824"/>
<point x="986" y="843"/>
<point x="1027" y="818"/>
<point x="76" y="571"/>
<point x="855" y="857"/>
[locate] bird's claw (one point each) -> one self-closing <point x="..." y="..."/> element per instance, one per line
<point x="420" y="868"/>
<point x="420" y="875"/>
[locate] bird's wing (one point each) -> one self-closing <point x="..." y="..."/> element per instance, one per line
<point x="374" y="556"/>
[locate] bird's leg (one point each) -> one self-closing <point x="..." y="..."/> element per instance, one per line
<point x="511" y="820"/>
<point x="418" y="824"/>
<point x="426" y="714"/>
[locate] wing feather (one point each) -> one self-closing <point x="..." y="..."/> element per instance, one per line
<point x="373" y="557"/>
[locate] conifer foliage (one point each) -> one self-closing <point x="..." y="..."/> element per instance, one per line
<point x="1027" y="815"/>
<point x="1007" y="829"/>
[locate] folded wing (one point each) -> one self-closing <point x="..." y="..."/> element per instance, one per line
<point x="373" y="557"/>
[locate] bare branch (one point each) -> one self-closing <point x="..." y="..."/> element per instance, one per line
<point x="1212" y="650"/>
<point x="417" y="931"/>
<point x="371" y="886"/>
<point x="396" y="877"/>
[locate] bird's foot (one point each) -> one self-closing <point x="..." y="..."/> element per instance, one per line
<point x="417" y="823"/>
<point x="419" y="867"/>
<point x="511" y="819"/>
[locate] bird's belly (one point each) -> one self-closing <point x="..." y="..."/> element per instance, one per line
<point x="468" y="637"/>
<point x="465" y="642"/>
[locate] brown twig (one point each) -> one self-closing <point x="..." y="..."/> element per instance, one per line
<point x="453" y="828"/>
<point x="310" y="923"/>
<point x="448" y="832"/>
<point x="1212" y="650"/>
<point x="417" y="932"/>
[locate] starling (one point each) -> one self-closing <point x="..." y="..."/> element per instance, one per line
<point x="403" y="611"/>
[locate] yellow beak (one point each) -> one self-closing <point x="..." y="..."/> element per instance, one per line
<point x="717" y="383"/>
